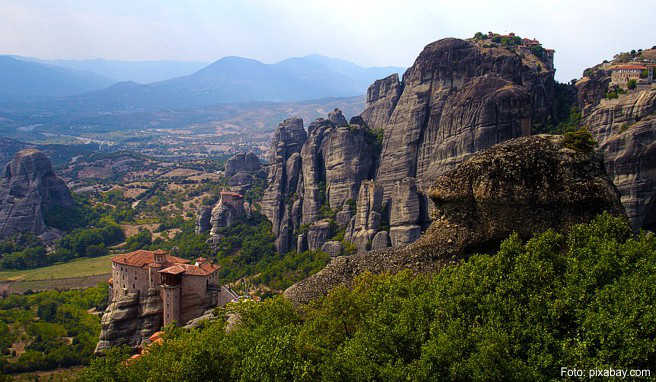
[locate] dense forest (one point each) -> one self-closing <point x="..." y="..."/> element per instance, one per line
<point x="582" y="300"/>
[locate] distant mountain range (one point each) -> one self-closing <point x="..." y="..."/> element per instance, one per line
<point x="22" y="80"/>
<point x="87" y="86"/>
<point x="142" y="72"/>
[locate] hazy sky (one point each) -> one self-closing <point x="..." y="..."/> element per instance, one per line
<point x="370" y="33"/>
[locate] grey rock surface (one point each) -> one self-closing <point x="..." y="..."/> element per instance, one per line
<point x="333" y="248"/>
<point x="525" y="185"/>
<point x="29" y="189"/>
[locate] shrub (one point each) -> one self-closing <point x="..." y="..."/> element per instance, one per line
<point x="631" y="84"/>
<point x="580" y="140"/>
<point x="521" y="314"/>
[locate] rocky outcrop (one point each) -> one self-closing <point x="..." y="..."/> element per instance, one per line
<point x="366" y="222"/>
<point x="625" y="131"/>
<point x="382" y="97"/>
<point x="335" y="160"/>
<point x="203" y="219"/>
<point x="242" y="171"/>
<point x="244" y="162"/>
<point x="405" y="214"/>
<point x="380" y="241"/>
<point x="129" y="320"/>
<point x="318" y="234"/>
<point x="314" y="174"/>
<point x="29" y="190"/>
<point x="525" y="185"/>
<point x="333" y="248"/>
<point x="227" y="212"/>
<point x="284" y="180"/>
<point x="458" y="98"/>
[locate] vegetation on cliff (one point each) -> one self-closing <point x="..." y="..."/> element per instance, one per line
<point x="582" y="300"/>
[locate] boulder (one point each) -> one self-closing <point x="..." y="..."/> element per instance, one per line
<point x="333" y="248"/>
<point x="317" y="234"/>
<point x="381" y="241"/>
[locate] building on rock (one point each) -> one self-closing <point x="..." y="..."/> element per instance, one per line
<point x="150" y="289"/>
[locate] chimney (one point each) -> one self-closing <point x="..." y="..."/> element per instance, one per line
<point x="160" y="256"/>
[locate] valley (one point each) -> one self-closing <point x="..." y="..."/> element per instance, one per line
<point x="470" y="219"/>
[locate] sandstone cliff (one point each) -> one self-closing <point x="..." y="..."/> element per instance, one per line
<point x="625" y="131"/>
<point x="129" y="320"/>
<point x="524" y="185"/>
<point x="313" y="175"/>
<point x="459" y="97"/>
<point x="29" y="189"/>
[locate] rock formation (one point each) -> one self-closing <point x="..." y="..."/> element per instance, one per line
<point x="130" y="319"/>
<point x="242" y="163"/>
<point x="625" y="131"/>
<point x="242" y="171"/>
<point x="366" y="222"/>
<point x="525" y="185"/>
<point x="283" y="181"/>
<point x="405" y="214"/>
<point x="459" y="97"/>
<point x="29" y="189"/>
<point x="311" y="174"/>
<point x="225" y="213"/>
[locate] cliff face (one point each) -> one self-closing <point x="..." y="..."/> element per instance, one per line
<point x="524" y="185"/>
<point x="458" y="98"/>
<point x="29" y="188"/>
<point x="312" y="173"/>
<point x="129" y="320"/>
<point x="283" y="182"/>
<point x="625" y="130"/>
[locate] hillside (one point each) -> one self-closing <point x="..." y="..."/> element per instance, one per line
<point x="25" y="80"/>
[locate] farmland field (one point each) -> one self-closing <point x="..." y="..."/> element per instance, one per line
<point x="75" y="268"/>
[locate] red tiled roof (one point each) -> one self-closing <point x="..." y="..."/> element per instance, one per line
<point x="629" y="67"/>
<point x="142" y="257"/>
<point x="173" y="270"/>
<point x="203" y="269"/>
